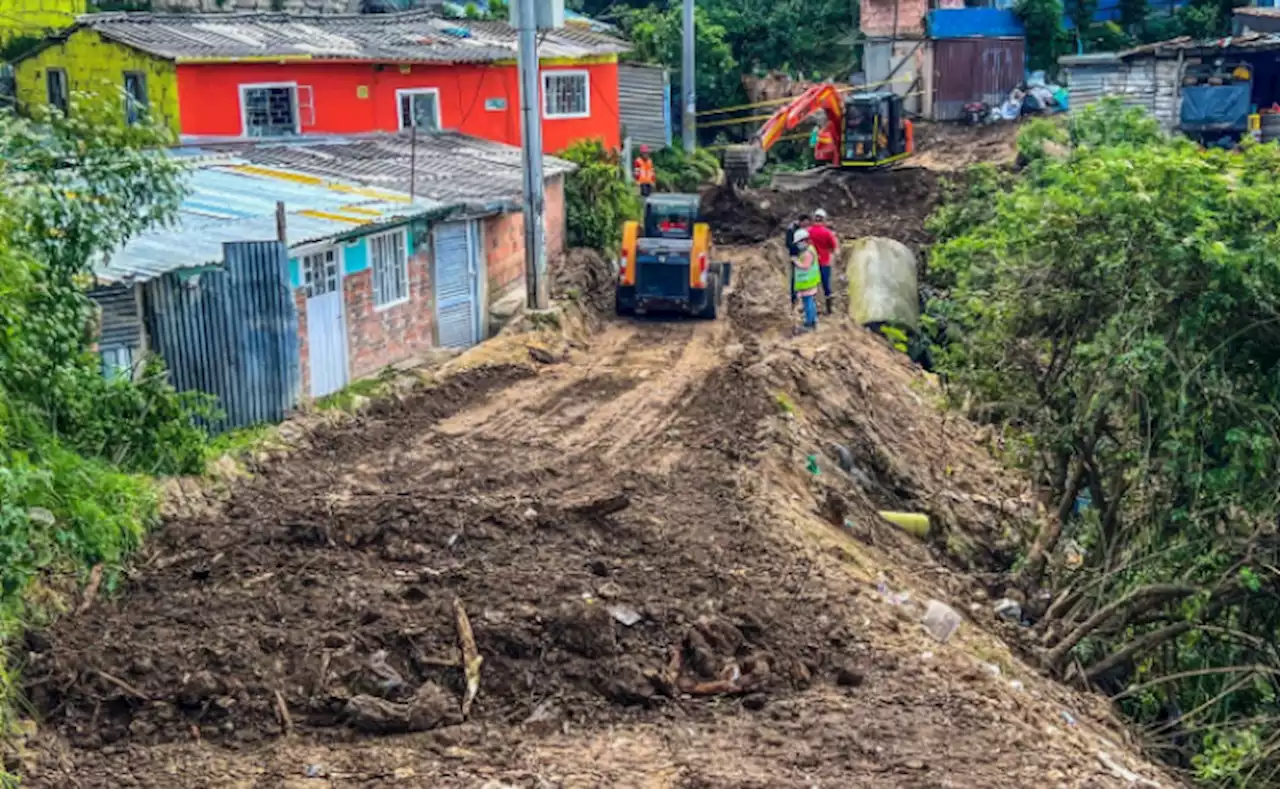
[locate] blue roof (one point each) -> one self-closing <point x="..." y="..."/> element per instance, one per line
<point x="232" y="200"/>
<point x="974" y="23"/>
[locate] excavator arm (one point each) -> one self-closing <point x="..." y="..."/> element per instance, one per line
<point x="743" y="161"/>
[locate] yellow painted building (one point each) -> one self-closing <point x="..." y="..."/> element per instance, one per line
<point x="37" y="17"/>
<point x="82" y="63"/>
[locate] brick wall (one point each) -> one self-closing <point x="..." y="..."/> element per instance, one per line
<point x="376" y="337"/>
<point x="504" y="242"/>
<point x="877" y="17"/>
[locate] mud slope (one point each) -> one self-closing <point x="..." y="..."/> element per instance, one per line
<point x="653" y="580"/>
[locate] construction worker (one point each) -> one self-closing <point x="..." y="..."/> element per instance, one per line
<point x="824" y="242"/>
<point x="644" y="173"/>
<point x="806" y="278"/>
<point x="801" y="222"/>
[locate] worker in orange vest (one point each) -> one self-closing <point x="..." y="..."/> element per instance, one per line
<point x="644" y="173"/>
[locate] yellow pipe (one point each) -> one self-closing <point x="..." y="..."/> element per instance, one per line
<point x="913" y="523"/>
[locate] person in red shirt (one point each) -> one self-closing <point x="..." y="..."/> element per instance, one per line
<point x="825" y="243"/>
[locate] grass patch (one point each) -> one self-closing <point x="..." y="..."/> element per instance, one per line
<point x="347" y="399"/>
<point x="785" y="404"/>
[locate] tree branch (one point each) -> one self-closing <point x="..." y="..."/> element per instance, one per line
<point x="1136" y="602"/>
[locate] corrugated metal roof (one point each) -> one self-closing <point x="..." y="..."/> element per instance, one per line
<point x="409" y="37"/>
<point x="1187" y="45"/>
<point x="451" y="168"/>
<point x="233" y="199"/>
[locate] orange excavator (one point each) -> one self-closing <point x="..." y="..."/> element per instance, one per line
<point x="860" y="130"/>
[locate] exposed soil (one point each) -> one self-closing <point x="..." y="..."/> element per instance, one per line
<point x="661" y="594"/>
<point x="890" y="203"/>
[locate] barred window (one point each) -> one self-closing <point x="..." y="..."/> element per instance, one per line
<point x="390" y="269"/>
<point x="566" y="94"/>
<point x="269" y="110"/>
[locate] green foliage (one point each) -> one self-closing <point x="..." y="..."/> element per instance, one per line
<point x="1046" y="37"/>
<point x="1110" y="123"/>
<point x="72" y="190"/>
<point x="896" y="337"/>
<point x="1106" y="37"/>
<point x="75" y="188"/>
<point x="803" y="38"/>
<point x="1118" y="307"/>
<point x="677" y="171"/>
<point x="598" y="200"/>
<point x="1132" y="13"/>
<point x="656" y="37"/>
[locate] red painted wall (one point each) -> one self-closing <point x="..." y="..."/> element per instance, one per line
<point x="209" y="99"/>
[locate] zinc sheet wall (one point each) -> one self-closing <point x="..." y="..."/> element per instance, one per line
<point x="232" y="332"/>
<point x="643" y="105"/>
<point x="1150" y="83"/>
<point x="975" y="69"/>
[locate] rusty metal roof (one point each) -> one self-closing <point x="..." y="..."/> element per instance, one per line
<point x="451" y="168"/>
<point x="1249" y="41"/>
<point x="409" y="37"/>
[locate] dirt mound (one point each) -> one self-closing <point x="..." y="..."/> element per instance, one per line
<point x="890" y="203"/>
<point x="585" y="277"/>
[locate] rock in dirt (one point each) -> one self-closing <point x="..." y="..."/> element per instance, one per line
<point x="755" y="702"/>
<point x="198" y="688"/>
<point x="624" y="683"/>
<point x="848" y="675"/>
<point x="429" y="708"/>
<point x="585" y="629"/>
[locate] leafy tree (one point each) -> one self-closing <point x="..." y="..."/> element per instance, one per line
<point x="1132" y="13"/>
<point x="76" y="188"/>
<point x="1046" y="38"/>
<point x="1118" y="310"/>
<point x="658" y="38"/>
<point x="598" y="200"/>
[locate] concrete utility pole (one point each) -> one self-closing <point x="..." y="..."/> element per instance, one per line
<point x="688" y="120"/>
<point x="535" y="244"/>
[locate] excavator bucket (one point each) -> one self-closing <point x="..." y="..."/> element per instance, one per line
<point x="741" y="162"/>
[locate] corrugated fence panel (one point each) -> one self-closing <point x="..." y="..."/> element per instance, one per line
<point x="121" y="323"/>
<point x="232" y="332"/>
<point x="975" y="69"/>
<point x="643" y="104"/>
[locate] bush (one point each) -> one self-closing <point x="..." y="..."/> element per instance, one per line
<point x="73" y="190"/>
<point x="1118" y="309"/>
<point x="680" y="172"/>
<point x="598" y="199"/>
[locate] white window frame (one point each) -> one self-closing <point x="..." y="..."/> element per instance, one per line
<point x="373" y="265"/>
<point x="315" y="250"/>
<point x="400" y="97"/>
<point x="245" y="87"/>
<point x="586" y="93"/>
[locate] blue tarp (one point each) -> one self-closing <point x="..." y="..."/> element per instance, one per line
<point x="1215" y="107"/>
<point x="974" y="23"/>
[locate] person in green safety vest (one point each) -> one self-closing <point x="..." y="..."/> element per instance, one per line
<point x="807" y="278"/>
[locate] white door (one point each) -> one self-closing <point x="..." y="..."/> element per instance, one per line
<point x="326" y="329"/>
<point x="457" y="301"/>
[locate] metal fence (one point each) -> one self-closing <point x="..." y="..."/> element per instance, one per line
<point x="232" y="331"/>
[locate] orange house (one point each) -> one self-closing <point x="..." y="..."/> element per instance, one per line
<point x="270" y="75"/>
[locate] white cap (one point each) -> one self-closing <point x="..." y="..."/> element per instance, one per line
<point x="801" y="235"/>
<point x="820" y="214"/>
